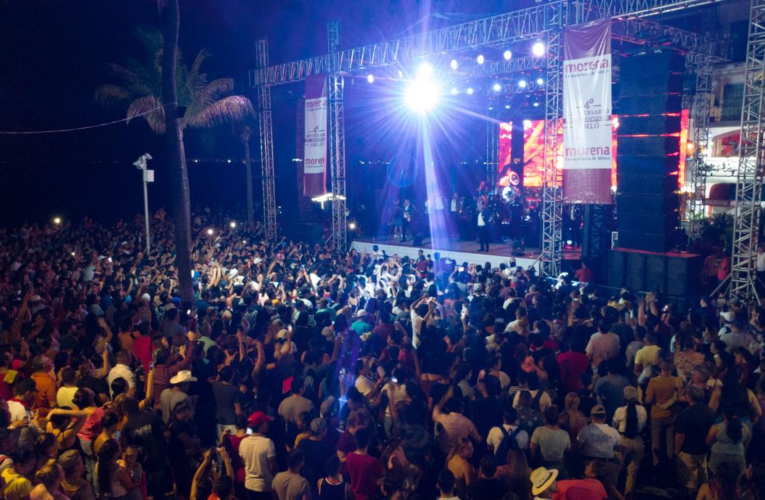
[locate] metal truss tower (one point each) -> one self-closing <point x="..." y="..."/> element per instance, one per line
<point x="266" y="126"/>
<point x="337" y="160"/>
<point x="702" y="67"/>
<point x="750" y="168"/>
<point x="492" y="148"/>
<point x="552" y="192"/>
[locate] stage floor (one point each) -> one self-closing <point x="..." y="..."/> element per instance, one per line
<point x="459" y="250"/>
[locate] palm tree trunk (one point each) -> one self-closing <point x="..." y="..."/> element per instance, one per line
<point x="248" y="173"/>
<point x="176" y="155"/>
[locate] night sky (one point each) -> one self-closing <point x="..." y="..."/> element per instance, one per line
<point x="54" y="53"/>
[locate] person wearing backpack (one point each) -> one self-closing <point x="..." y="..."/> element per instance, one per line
<point x="506" y="437"/>
<point x="540" y="400"/>
<point x="630" y="420"/>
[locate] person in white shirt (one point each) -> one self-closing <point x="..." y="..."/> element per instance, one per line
<point x="122" y="370"/>
<point x="509" y="424"/>
<point x="630" y="420"/>
<point x="761" y="263"/>
<point x="259" y="457"/>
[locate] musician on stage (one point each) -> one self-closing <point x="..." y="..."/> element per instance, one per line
<point x="484" y="234"/>
<point x="408" y="213"/>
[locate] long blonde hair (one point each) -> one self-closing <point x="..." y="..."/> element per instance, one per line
<point x="460" y="445"/>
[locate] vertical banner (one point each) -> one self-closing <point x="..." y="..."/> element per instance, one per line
<point x="315" y="159"/>
<point x="587" y="113"/>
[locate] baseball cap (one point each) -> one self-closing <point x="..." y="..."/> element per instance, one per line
<point x="630" y="393"/>
<point x="258" y="418"/>
<point x="597" y="410"/>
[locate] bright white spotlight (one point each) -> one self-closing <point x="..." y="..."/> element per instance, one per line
<point x="507" y="55"/>
<point x="232" y="224"/>
<point x="507" y="106"/>
<point x="454" y="64"/>
<point x="526" y="124"/>
<point x="371" y="78"/>
<point x="536" y="104"/>
<point x="400" y="74"/>
<point x="522" y="84"/>
<point x="491" y="108"/>
<point x="422" y="95"/>
<point x="210" y="232"/>
<point x="540" y="81"/>
<point x="57" y="220"/>
<point x="470" y="90"/>
<point x="538" y="49"/>
<point x="352" y="226"/>
<point x="424" y="70"/>
<point x="480" y="59"/>
<point x="497" y="87"/>
<point x="454" y="91"/>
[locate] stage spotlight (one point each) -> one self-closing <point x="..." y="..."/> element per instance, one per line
<point x="491" y="108"/>
<point x="536" y="104"/>
<point x="507" y="106"/>
<point x="57" y="220"/>
<point x="454" y="91"/>
<point x="454" y="64"/>
<point x="352" y="226"/>
<point x="422" y="95"/>
<point x="480" y="59"/>
<point x="507" y="55"/>
<point x="470" y="90"/>
<point x="538" y="49"/>
<point x="400" y="74"/>
<point x="371" y="78"/>
<point x="497" y="87"/>
<point x="232" y="224"/>
<point x="522" y="84"/>
<point x="424" y="70"/>
<point x="540" y="81"/>
<point x="526" y="124"/>
<point x="210" y="232"/>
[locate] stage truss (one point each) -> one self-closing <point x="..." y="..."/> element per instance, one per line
<point x="750" y="169"/>
<point x="545" y="22"/>
<point x="266" y="127"/>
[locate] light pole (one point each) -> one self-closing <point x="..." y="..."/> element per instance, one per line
<point x="148" y="176"/>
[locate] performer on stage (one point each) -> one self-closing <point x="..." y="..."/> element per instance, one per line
<point x="408" y="213"/>
<point x="484" y="236"/>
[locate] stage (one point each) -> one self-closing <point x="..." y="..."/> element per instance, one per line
<point x="464" y="251"/>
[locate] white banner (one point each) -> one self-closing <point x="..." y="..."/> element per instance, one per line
<point x="315" y="161"/>
<point x="587" y="100"/>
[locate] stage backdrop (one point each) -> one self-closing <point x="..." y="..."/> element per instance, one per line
<point x="587" y="113"/>
<point x="315" y="160"/>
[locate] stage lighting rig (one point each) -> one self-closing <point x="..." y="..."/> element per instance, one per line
<point x="538" y="49"/>
<point x="507" y="55"/>
<point x="454" y="64"/>
<point x="480" y="59"/>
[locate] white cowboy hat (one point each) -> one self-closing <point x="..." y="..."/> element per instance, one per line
<point x="541" y="479"/>
<point x="182" y="377"/>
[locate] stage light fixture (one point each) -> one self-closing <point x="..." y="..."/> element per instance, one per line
<point x="538" y="49"/>
<point x="424" y="70"/>
<point x="522" y="84"/>
<point x="57" y="220"/>
<point x="540" y="81"/>
<point x="352" y="226"/>
<point x="422" y="95"/>
<point x="232" y="224"/>
<point x="470" y="90"/>
<point x="480" y="59"/>
<point x="526" y="124"/>
<point x="536" y="104"/>
<point x="454" y="91"/>
<point x="507" y="106"/>
<point x="210" y="232"/>
<point x="454" y="64"/>
<point x="496" y="87"/>
<point x="400" y="74"/>
<point x="371" y="78"/>
<point x="507" y="55"/>
<point x="491" y="108"/>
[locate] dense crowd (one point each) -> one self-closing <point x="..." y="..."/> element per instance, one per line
<point x="300" y="373"/>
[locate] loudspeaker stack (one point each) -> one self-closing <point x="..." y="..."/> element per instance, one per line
<point x="651" y="87"/>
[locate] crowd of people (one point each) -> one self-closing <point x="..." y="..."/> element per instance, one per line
<point x="302" y="373"/>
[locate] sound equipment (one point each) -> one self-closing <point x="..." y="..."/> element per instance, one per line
<point x="648" y="157"/>
<point x="677" y="275"/>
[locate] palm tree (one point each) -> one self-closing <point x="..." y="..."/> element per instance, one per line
<point x="156" y="91"/>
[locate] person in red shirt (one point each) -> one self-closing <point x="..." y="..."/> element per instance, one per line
<point x="366" y="472"/>
<point x="544" y="485"/>
<point x="572" y="364"/>
<point x="584" y="274"/>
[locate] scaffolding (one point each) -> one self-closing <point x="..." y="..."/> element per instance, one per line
<point x="750" y="169"/>
<point x="266" y="127"/>
<point x="702" y="67"/>
<point x="541" y="22"/>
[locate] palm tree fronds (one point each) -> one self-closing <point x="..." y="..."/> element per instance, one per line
<point x="151" y="109"/>
<point x="202" y="98"/>
<point x="134" y="82"/>
<point x="229" y="109"/>
<point x="109" y="94"/>
<point x="196" y="80"/>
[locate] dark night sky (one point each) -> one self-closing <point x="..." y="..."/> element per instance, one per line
<point x="54" y="53"/>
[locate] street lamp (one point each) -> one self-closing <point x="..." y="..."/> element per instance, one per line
<point x="148" y="176"/>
